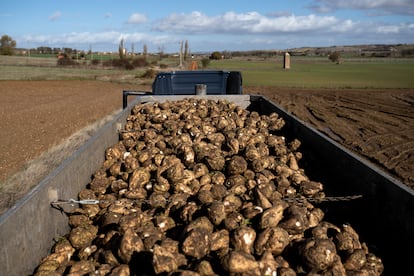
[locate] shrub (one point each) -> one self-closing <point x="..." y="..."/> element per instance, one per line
<point x="107" y="63"/>
<point x="120" y="63"/>
<point x="65" y="61"/>
<point x="335" y="57"/>
<point x="95" y="62"/>
<point x="205" y="62"/>
<point x="129" y="66"/>
<point x="139" y="62"/>
<point x="149" y="73"/>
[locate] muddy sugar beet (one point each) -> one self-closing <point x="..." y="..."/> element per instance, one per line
<point x="199" y="187"/>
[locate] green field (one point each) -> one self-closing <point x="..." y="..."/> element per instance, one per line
<point x="321" y="73"/>
<point x="305" y="72"/>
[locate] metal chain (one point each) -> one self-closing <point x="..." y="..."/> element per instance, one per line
<point x="73" y="201"/>
<point x="325" y="199"/>
<point x="129" y="131"/>
<point x="287" y="199"/>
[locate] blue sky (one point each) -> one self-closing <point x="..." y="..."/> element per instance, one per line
<point x="206" y="25"/>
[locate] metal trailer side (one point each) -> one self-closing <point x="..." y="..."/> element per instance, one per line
<point x="28" y="229"/>
<point x="384" y="217"/>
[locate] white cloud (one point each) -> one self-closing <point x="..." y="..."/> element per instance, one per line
<point x="137" y="18"/>
<point x="55" y="16"/>
<point x="249" y="23"/>
<point x="194" y="22"/>
<point x="403" y="7"/>
<point x="400" y="29"/>
<point x="388" y="29"/>
<point x="77" y="39"/>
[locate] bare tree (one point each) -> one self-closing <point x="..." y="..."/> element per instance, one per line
<point x="185" y="50"/>
<point x="121" y="49"/>
<point x="145" y="50"/>
<point x="181" y="54"/>
<point x="161" y="51"/>
<point x="90" y="52"/>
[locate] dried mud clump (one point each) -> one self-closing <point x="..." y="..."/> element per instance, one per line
<point x="202" y="187"/>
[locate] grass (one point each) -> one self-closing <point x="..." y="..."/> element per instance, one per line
<point x="321" y="73"/>
<point x="305" y="72"/>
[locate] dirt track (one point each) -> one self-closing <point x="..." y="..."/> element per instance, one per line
<point x="36" y="115"/>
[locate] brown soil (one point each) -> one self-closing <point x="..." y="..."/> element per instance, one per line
<point x="376" y="124"/>
<point x="37" y="115"/>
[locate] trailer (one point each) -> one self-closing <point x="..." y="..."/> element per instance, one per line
<point x="383" y="217"/>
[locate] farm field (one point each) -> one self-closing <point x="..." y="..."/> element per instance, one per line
<point x="316" y="72"/>
<point x="366" y="106"/>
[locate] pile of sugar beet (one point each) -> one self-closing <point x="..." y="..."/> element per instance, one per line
<point x="204" y="187"/>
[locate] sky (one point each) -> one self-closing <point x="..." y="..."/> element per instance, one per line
<point x="214" y="25"/>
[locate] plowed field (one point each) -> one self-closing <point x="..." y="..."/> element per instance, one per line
<point x="378" y="125"/>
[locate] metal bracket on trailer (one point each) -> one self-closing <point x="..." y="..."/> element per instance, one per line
<point x="126" y="93"/>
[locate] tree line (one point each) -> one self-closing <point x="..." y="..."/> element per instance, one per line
<point x="8" y="47"/>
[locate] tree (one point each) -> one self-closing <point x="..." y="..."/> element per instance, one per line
<point x="121" y="49"/>
<point x="145" y="50"/>
<point x="335" y="57"/>
<point x="161" y="51"/>
<point x="68" y="50"/>
<point x="215" y="55"/>
<point x="185" y="50"/>
<point x="44" y="50"/>
<point x="181" y="54"/>
<point x="7" y="45"/>
<point x="90" y="52"/>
